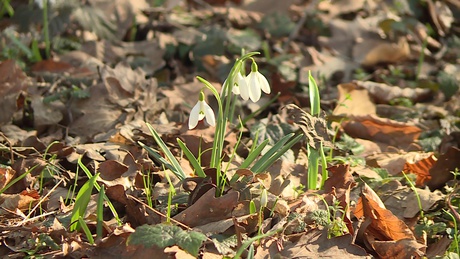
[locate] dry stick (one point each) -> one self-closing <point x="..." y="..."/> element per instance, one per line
<point x="26" y="219"/>
<point x="161" y="214"/>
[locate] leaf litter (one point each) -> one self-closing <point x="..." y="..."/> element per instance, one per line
<point x="389" y="91"/>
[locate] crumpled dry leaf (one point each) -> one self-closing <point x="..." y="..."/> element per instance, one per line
<point x="209" y="209"/>
<point x="6" y="175"/>
<point x="441" y="171"/>
<point x="383" y="93"/>
<point x="382" y="225"/>
<point x="13" y="81"/>
<point x="395" y="163"/>
<point x="21" y="201"/>
<point x="316" y="244"/>
<point x="354" y="101"/>
<point x="314" y="128"/>
<point x="421" y="168"/>
<point x="371" y="52"/>
<point x="387" y="131"/>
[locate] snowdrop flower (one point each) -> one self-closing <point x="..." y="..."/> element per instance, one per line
<point x="200" y="111"/>
<point x="240" y="87"/>
<point x="256" y="82"/>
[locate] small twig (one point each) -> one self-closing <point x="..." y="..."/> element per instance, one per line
<point x="26" y="219"/>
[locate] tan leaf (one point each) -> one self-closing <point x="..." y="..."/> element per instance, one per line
<point x="314" y="128"/>
<point x="353" y="100"/>
<point x="208" y="209"/>
<point x="13" y="81"/>
<point x="421" y="168"/>
<point x="384" y="225"/>
<point x="388" y="131"/>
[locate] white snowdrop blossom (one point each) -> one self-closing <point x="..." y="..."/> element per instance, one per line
<point x="200" y="111"/>
<point x="240" y="87"/>
<point x="256" y="82"/>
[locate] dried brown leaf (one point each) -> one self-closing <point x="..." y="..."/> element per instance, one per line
<point x="390" y="132"/>
<point x="314" y="128"/>
<point x="209" y="209"/>
<point x="13" y="81"/>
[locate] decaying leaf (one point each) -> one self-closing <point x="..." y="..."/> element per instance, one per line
<point x="13" y="81"/>
<point x="209" y="209"/>
<point x="421" y="168"/>
<point x="382" y="225"/>
<point x="383" y="93"/>
<point x="314" y="128"/>
<point x="388" y="131"/>
<point x="354" y="101"/>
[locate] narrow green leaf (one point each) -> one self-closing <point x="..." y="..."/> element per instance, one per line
<point x="81" y="202"/>
<point x="276" y="152"/>
<point x="313" y="91"/>
<point x="85" y="228"/>
<point x="272" y="151"/>
<point x="252" y="207"/>
<point x="313" y="164"/>
<point x="191" y="158"/>
<point x="17" y="179"/>
<point x="98" y="188"/>
<point x="178" y="169"/>
<point x="100" y="212"/>
<point x="254" y="154"/>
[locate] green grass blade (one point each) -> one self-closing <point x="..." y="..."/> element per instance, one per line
<point x="178" y="169"/>
<point x="269" y="160"/>
<point x="160" y="159"/>
<point x="313" y="164"/>
<point x="272" y="151"/>
<point x="98" y="188"/>
<point x="191" y="158"/>
<point x="17" y="179"/>
<point x="81" y="202"/>
<point x="313" y="91"/>
<point x="86" y="230"/>
<point x="254" y="154"/>
<point x="100" y="213"/>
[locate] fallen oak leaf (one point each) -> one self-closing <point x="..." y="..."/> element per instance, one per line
<point x="372" y="127"/>
<point x="381" y="223"/>
<point x="314" y="128"/>
<point x="208" y="209"/>
<point x="421" y="169"/>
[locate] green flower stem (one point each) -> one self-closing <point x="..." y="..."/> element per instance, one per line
<point x="223" y="113"/>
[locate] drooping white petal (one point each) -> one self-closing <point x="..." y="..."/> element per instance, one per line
<point x="209" y="114"/>
<point x="254" y="87"/>
<point x="264" y="85"/>
<point x="194" y="116"/>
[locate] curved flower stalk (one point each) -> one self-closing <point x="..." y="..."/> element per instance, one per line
<point x="256" y="82"/>
<point x="201" y="111"/>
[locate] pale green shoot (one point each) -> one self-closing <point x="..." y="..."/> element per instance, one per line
<point x="100" y="213"/>
<point x="81" y="202"/>
<point x="171" y="193"/>
<point x="315" y="155"/>
<point x="85" y="228"/>
<point x="98" y="188"/>
<point x="174" y="166"/>
<point x="191" y="158"/>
